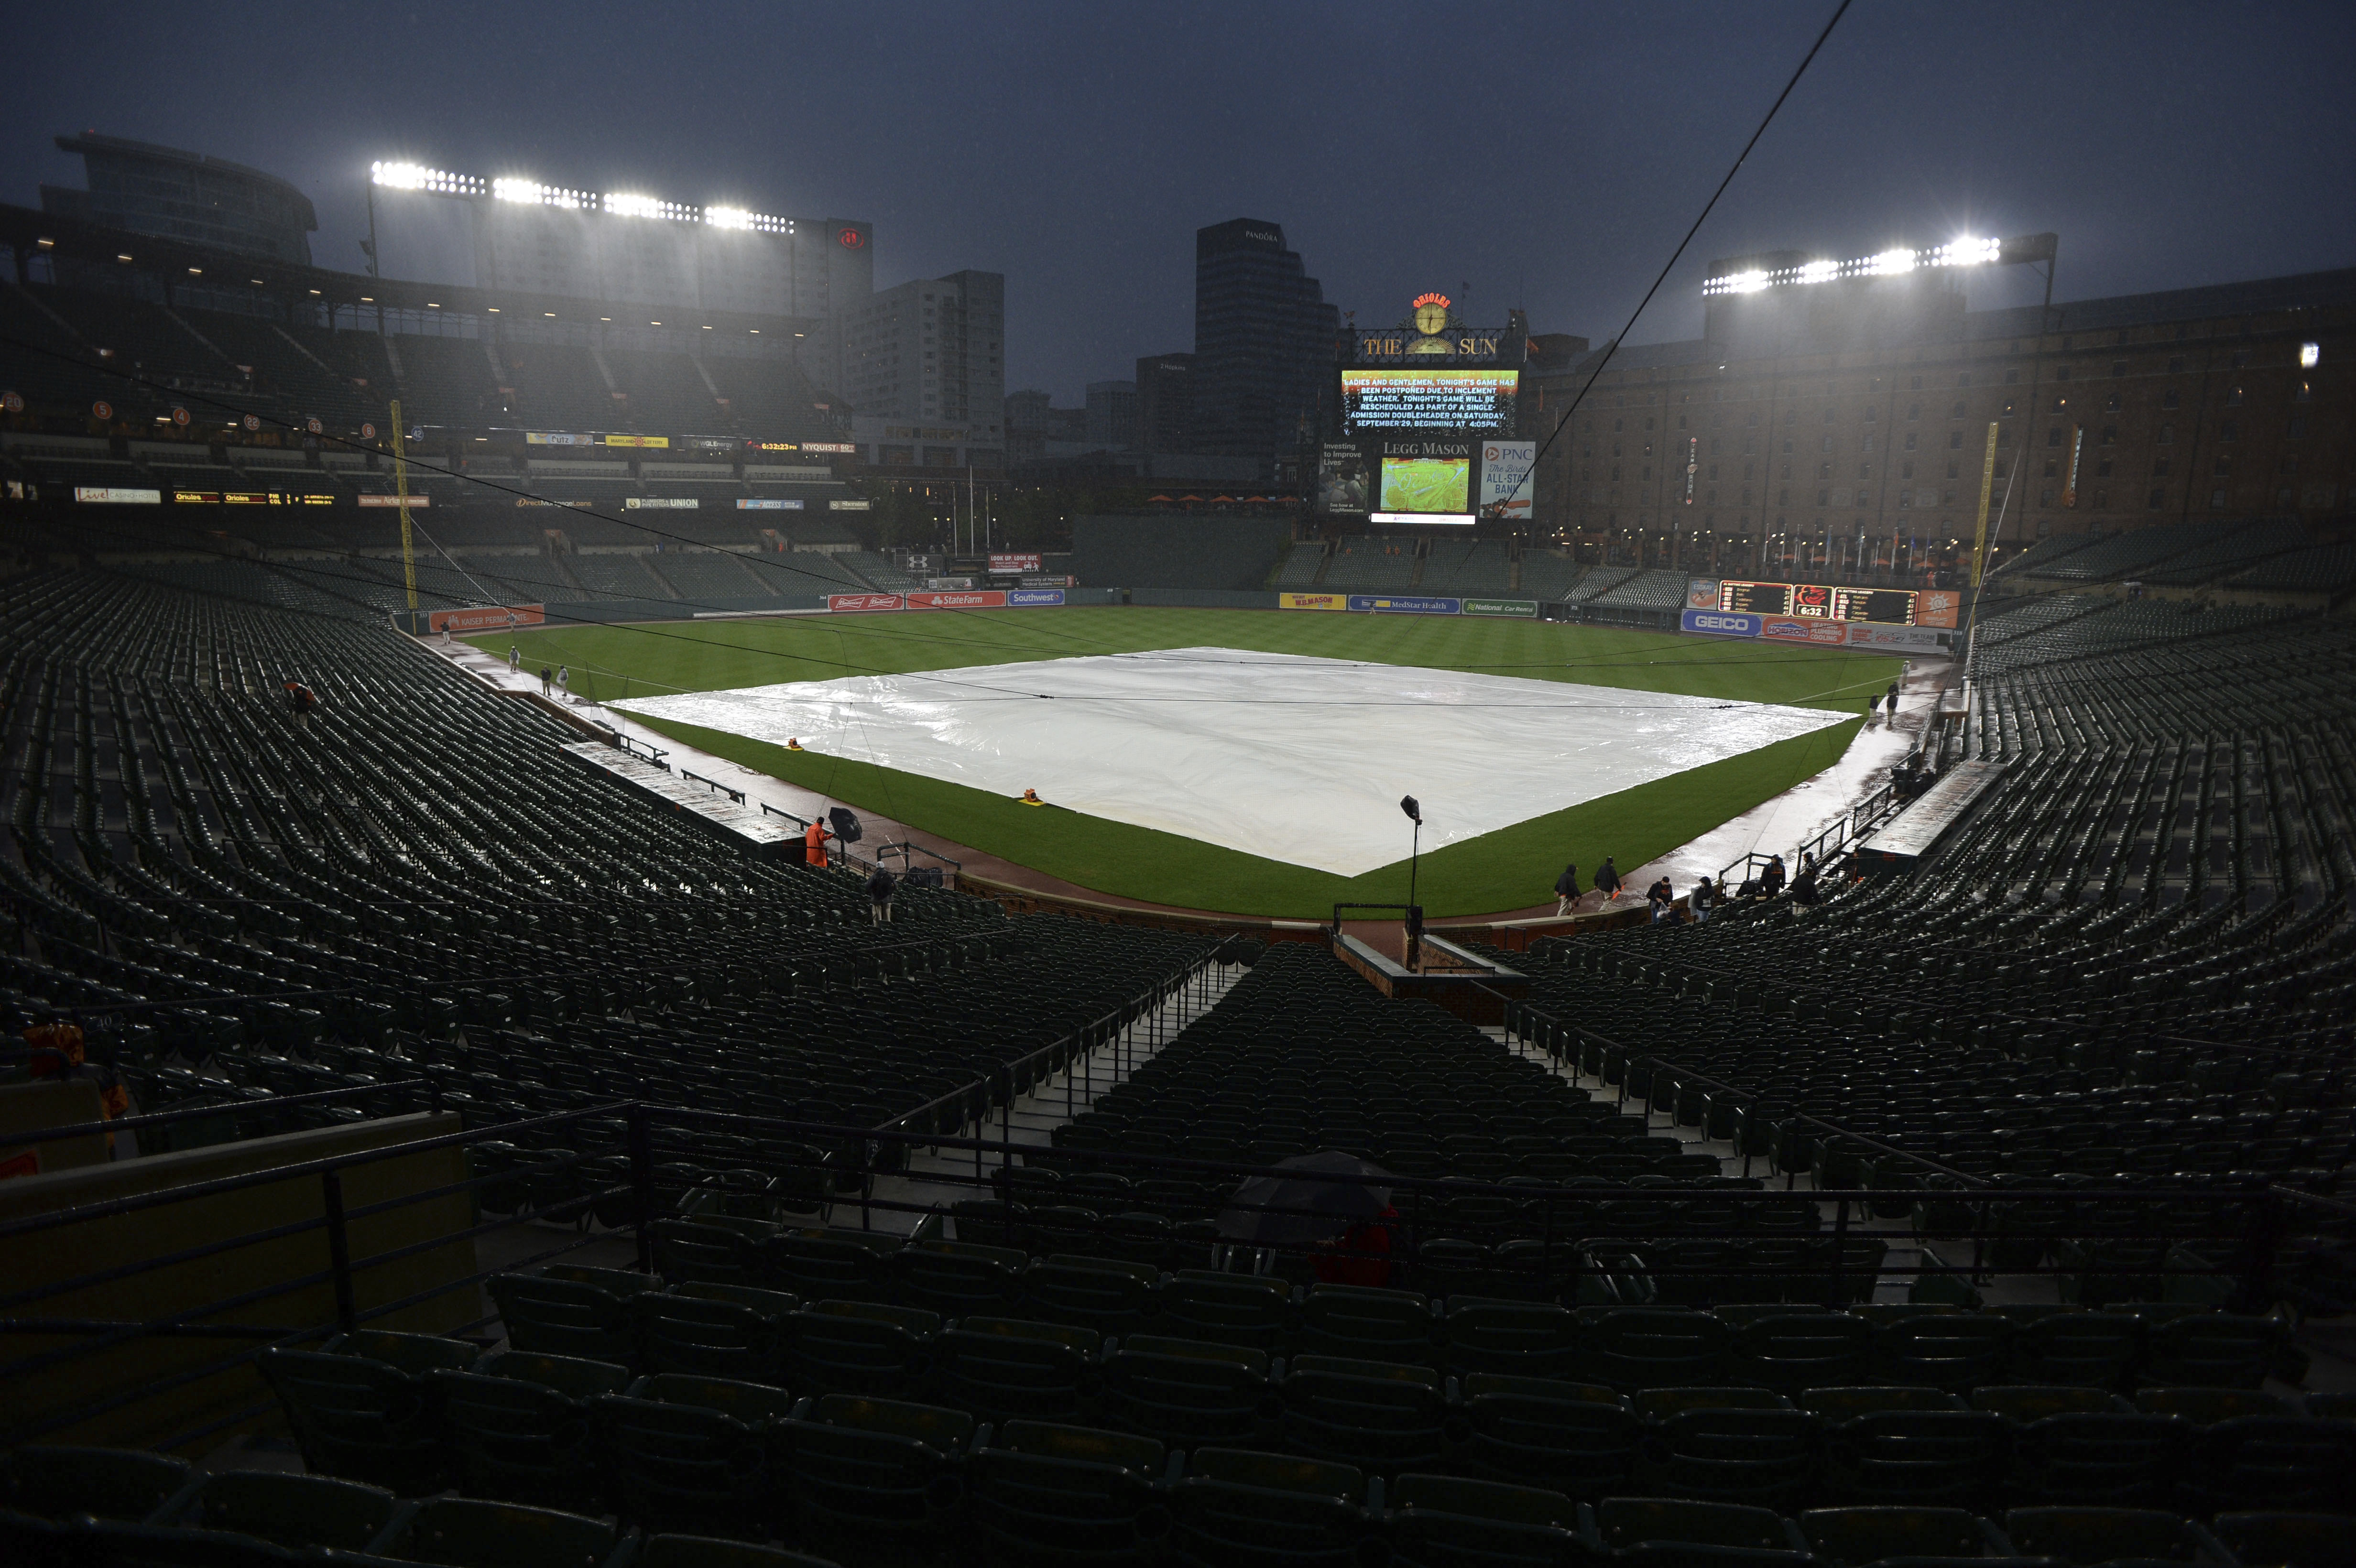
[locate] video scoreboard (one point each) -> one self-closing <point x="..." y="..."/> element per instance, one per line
<point x="1818" y="602"/>
<point x="1429" y="400"/>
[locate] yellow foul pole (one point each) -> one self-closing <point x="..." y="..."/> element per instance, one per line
<point x="1979" y="536"/>
<point x="409" y="557"/>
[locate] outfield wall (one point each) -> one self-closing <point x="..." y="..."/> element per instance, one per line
<point x="1205" y="598"/>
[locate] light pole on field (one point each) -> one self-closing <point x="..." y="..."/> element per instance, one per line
<point x="1415" y="856"/>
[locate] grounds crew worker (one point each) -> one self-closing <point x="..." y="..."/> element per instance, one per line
<point x="814" y="839"/>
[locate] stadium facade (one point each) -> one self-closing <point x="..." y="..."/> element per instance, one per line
<point x="627" y="248"/>
<point x="143" y="188"/>
<point x="592" y="319"/>
<point x="1850" y="421"/>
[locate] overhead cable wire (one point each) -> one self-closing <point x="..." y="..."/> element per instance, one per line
<point x="1613" y="348"/>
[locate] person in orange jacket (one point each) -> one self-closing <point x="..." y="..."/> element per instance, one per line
<point x="814" y="839"/>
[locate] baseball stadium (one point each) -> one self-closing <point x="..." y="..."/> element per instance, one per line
<point x="607" y="963"/>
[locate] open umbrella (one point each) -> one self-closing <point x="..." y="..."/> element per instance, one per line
<point x="1297" y="1209"/>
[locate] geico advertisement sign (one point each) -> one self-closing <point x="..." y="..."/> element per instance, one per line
<point x="1721" y="623"/>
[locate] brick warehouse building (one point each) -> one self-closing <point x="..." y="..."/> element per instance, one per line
<point x="1845" y="425"/>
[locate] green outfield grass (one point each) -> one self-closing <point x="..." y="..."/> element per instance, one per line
<point x="1511" y="868"/>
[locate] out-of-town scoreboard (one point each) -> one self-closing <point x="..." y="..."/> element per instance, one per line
<point x="1818" y="602"/>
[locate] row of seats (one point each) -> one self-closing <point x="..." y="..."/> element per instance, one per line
<point x="899" y="1483"/>
<point x="914" y="1286"/>
<point x="66" y="1507"/>
<point x="415" y="1415"/>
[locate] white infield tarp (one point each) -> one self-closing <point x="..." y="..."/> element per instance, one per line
<point x="1291" y="758"/>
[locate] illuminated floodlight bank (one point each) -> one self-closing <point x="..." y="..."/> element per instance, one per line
<point x="1971" y="250"/>
<point x="650" y="207"/>
<point x="402" y="174"/>
<point x="417" y="176"/>
<point x="532" y="192"/>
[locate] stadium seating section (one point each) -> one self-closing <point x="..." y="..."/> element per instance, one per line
<point x="1648" y="589"/>
<point x="1215" y="552"/>
<point x="2074" y="1060"/>
<point x="1550" y="578"/>
<point x="1372" y="564"/>
<point x="289" y="368"/>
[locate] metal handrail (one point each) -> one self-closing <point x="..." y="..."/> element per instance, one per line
<point x="735" y="794"/>
<point x="1826" y="1261"/>
<point x="227" y="1108"/>
<point x="1516" y="1009"/>
<point x="1007" y="1070"/>
<point x="906" y="847"/>
<point x="100" y="1010"/>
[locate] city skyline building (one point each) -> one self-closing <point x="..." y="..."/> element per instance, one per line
<point x="931" y="351"/>
<point x="1112" y="414"/>
<point x="1264" y="338"/>
<point x="1166" y="402"/>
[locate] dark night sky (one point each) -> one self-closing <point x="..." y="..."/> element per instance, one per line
<point x="1546" y="154"/>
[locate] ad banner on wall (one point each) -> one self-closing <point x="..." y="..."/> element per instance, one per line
<point x="1023" y="598"/>
<point x="1719" y="623"/>
<point x="982" y="599"/>
<point x="1340" y="479"/>
<point x="1793" y="629"/>
<point x="1505" y="483"/>
<point x="1909" y="639"/>
<point x="1402" y="605"/>
<point x="1313" y="601"/>
<point x="1012" y="565"/>
<point x="486" y="618"/>
<point x="1701" y="593"/>
<point x="860" y="601"/>
<point x="1501" y="607"/>
<point x="1937" y="607"/>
